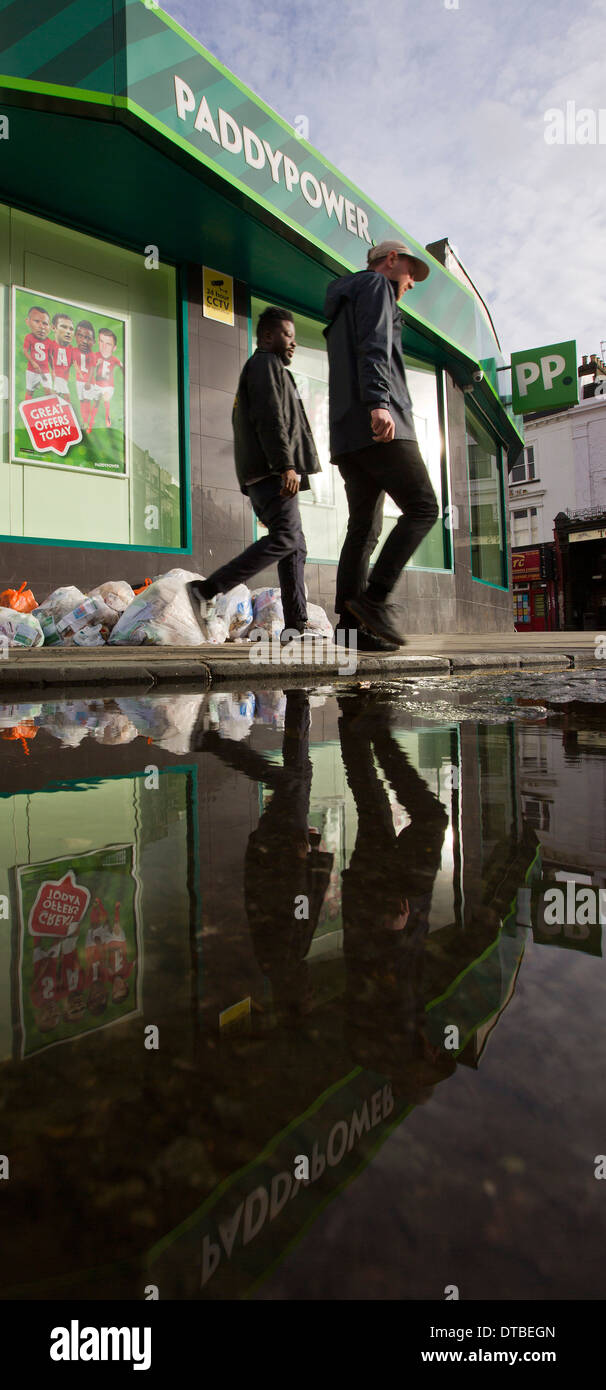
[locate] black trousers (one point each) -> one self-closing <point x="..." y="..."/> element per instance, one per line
<point x="396" y="468"/>
<point x="284" y="544"/>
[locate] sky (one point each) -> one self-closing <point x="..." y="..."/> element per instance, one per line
<point x="436" y="110"/>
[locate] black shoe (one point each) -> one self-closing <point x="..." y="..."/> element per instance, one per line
<point x="199" y="600"/>
<point x="363" y="640"/>
<point x="382" y="619"/>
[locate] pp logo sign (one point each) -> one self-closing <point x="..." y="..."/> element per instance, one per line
<point x="544" y="378"/>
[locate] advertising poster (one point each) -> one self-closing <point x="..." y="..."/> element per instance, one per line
<point x="69" y="384"/>
<point x="79" y="950"/>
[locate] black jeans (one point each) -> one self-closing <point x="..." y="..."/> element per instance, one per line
<point x="398" y="469"/>
<point x="284" y="544"/>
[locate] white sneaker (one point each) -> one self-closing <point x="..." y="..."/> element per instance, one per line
<point x="290" y="634"/>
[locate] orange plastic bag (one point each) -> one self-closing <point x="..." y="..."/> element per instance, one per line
<point x="20" y="733"/>
<point x="145" y="585"/>
<point x="21" y="600"/>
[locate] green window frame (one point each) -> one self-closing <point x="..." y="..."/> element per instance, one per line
<point x="125" y="485"/>
<point x="487" y="515"/>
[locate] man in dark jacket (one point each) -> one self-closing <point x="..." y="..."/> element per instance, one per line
<point x="274" y="453"/>
<point x="372" y="435"/>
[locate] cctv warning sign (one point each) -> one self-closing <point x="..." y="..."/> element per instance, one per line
<point x="217" y="296"/>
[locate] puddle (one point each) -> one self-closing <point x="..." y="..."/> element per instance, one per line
<point x="284" y="1012"/>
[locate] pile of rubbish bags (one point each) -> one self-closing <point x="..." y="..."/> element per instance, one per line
<point x="158" y="613"/>
<point x="168" y="721"/>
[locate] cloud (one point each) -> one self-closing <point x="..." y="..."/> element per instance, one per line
<point x="438" y="116"/>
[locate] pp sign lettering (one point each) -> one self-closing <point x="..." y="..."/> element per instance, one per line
<point x="545" y="378"/>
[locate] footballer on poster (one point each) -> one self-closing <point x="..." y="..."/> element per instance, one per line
<point x="69" y="384"/>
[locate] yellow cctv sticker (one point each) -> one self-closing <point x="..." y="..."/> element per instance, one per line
<point x="217" y="295"/>
<point x="236" y="1011"/>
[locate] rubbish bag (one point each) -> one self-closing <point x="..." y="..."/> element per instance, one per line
<point x="21" y="600"/>
<point x="318" y="621"/>
<point x="19" y="629"/>
<point x="21" y="732"/>
<point x="270" y="708"/>
<point x="162" y="615"/>
<point x="69" y="731"/>
<point x="92" y="611"/>
<point x="19" y="723"/>
<point x="267" y="611"/>
<point x="117" y="594"/>
<point x="114" y="726"/>
<point x="71" y="721"/>
<point x="213" y="627"/>
<point x="49" y="628"/>
<point x="232" y="714"/>
<point x="24" y="712"/>
<point x="169" y="720"/>
<point x="236" y="610"/>
<point x="60" y="602"/>
<point x="90" y="636"/>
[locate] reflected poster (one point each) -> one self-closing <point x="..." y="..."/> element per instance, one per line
<point x="78" y="954"/>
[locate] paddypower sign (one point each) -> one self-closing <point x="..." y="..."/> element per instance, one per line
<point x="220" y="129"/>
<point x="545" y="378"/>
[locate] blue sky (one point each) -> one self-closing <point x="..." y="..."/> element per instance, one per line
<point x="438" y="115"/>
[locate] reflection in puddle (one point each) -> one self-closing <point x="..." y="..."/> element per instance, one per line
<point x="282" y="1013"/>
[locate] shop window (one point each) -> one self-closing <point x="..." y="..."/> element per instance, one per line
<point x="521" y="606"/>
<point x="324" y="508"/>
<point x="423" y="387"/>
<point x="89" y="414"/>
<point x="484" y="466"/>
<point x="524" y="471"/>
<point x="497" y="804"/>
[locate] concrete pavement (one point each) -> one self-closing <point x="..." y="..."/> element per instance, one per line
<point x="107" y="668"/>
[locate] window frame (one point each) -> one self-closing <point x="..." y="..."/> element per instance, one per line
<point x="183" y="403"/>
<point x="485" y="425"/>
<point x="527" y="465"/>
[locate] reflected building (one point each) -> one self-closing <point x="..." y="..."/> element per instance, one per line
<point x="563" y="799"/>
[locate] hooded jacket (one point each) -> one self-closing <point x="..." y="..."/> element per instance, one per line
<point x="271" y="430"/>
<point x="365" y="360"/>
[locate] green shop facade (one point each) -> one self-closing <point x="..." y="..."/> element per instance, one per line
<point x="150" y="206"/>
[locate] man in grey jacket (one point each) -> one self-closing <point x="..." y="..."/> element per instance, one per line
<point x="372" y="436"/>
<point x="274" y="452"/>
